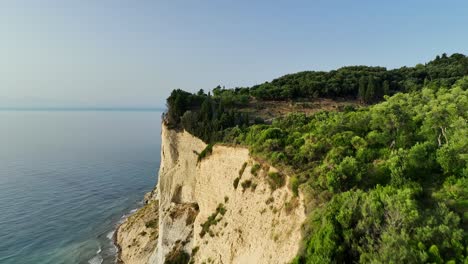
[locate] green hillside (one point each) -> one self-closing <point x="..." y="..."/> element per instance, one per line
<point x="385" y="179"/>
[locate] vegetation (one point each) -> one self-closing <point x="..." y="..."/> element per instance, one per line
<point x="205" y="153"/>
<point x="177" y="256"/>
<point x="246" y="184"/>
<point x="217" y="117"/>
<point x="236" y="182"/>
<point x="275" y="180"/>
<point x="368" y="83"/>
<point x="152" y="223"/>
<point x="255" y="168"/>
<point x="385" y="183"/>
<point x="212" y="220"/>
<point x="241" y="171"/>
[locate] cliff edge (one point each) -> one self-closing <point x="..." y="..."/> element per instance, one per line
<point x="224" y="208"/>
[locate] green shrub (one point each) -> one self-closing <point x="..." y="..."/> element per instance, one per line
<point x="255" y="168"/>
<point x="270" y="200"/>
<point x="275" y="180"/>
<point x="152" y="223"/>
<point x="205" y="153"/>
<point x="177" y="257"/>
<point x="195" y="250"/>
<point x="294" y="181"/>
<point x="220" y="210"/>
<point x="246" y="184"/>
<point x="241" y="171"/>
<point x="253" y="187"/>
<point x="236" y="182"/>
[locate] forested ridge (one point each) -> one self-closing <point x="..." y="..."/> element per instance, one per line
<point x="386" y="182"/>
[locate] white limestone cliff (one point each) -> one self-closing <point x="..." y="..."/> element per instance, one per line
<point x="253" y="223"/>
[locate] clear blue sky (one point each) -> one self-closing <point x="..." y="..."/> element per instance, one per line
<point x="133" y="53"/>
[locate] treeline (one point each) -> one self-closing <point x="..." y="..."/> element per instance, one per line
<point x="207" y="116"/>
<point x="202" y="115"/>
<point x="366" y="83"/>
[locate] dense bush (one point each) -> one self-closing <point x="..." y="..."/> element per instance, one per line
<point x="384" y="225"/>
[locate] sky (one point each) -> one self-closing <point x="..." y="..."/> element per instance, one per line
<point x="112" y="53"/>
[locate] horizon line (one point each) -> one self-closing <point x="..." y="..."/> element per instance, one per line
<point x="89" y="109"/>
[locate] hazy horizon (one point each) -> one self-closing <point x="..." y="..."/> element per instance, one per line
<point x="108" y="54"/>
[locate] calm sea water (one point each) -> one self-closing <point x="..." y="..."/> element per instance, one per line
<point x="67" y="178"/>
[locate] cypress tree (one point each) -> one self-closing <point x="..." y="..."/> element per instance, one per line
<point x="370" y="91"/>
<point x="386" y="87"/>
<point x="362" y="88"/>
<point x="206" y="111"/>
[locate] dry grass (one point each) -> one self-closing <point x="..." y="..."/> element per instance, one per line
<point x="268" y="110"/>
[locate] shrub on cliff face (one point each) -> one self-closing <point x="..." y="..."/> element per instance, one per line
<point x="275" y="180"/>
<point x="241" y="171"/>
<point x="205" y="153"/>
<point x="152" y="223"/>
<point x="236" y="182"/>
<point x="177" y="257"/>
<point x="246" y="184"/>
<point x="220" y="210"/>
<point x="294" y="181"/>
<point x="255" y="168"/>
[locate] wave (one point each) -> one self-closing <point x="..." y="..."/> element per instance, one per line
<point x="98" y="259"/>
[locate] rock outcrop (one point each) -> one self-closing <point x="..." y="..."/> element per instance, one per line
<point x="224" y="208"/>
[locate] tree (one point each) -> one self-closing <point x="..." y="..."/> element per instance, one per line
<point x="206" y="111"/>
<point x="370" y="91"/>
<point x="386" y="87"/>
<point x="362" y="88"/>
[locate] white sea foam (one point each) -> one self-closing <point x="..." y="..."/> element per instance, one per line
<point x="96" y="259"/>
<point x="110" y="235"/>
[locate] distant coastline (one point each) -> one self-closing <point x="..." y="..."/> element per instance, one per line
<point x="87" y="109"/>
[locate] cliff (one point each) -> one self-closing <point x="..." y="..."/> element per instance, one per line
<point x="216" y="210"/>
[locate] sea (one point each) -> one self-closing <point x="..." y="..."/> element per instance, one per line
<point x="68" y="177"/>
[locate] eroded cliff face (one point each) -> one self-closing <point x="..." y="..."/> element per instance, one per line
<point x="214" y="210"/>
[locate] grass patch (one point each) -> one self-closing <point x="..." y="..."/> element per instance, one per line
<point x="205" y="153"/>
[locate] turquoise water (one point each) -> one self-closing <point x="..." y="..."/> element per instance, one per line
<point x="67" y="178"/>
